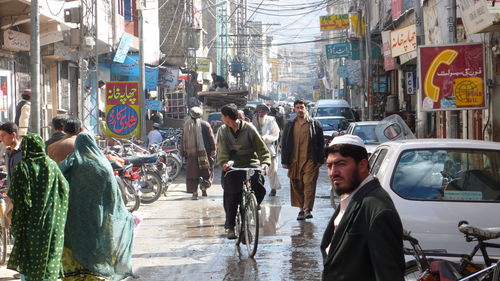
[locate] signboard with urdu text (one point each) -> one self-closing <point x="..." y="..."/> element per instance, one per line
<point x="203" y="65"/>
<point x="122" y="109"/>
<point x="340" y="50"/>
<point x="403" y="40"/>
<point x="334" y="22"/>
<point x="452" y="77"/>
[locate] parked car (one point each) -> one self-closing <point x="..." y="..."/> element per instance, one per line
<point x="332" y="126"/>
<point x="366" y="131"/>
<point x="435" y="183"/>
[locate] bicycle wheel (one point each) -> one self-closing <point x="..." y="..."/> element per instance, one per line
<point x="3" y="245"/>
<point x="151" y="187"/>
<point x="251" y="223"/>
<point x="173" y="166"/>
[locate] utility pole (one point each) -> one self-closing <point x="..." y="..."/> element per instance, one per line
<point x="368" y="73"/>
<point x="421" y="122"/>
<point x="452" y="116"/>
<point x="35" y="68"/>
<point x="142" y="74"/>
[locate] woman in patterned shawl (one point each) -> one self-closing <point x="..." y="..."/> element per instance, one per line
<point x="39" y="193"/>
<point x="99" y="230"/>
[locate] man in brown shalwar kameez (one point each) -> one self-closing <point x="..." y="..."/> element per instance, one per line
<point x="198" y="148"/>
<point x="302" y="153"/>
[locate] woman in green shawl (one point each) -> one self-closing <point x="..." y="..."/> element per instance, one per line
<point x="39" y="193"/>
<point x="99" y="229"/>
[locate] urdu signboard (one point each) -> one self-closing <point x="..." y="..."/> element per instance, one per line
<point x="123" y="109"/>
<point x="403" y="40"/>
<point x="452" y="77"/>
<point x="334" y="22"/>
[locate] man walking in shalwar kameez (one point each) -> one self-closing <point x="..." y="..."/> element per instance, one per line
<point x="198" y="148"/>
<point x="303" y="153"/>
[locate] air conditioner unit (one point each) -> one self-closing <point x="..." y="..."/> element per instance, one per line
<point x="72" y="15"/>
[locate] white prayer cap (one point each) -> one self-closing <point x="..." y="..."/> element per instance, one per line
<point x="348" y="139"/>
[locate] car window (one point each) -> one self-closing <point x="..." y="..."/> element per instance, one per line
<point x="377" y="162"/>
<point x="330" y="124"/>
<point x="448" y="175"/>
<point x="366" y="133"/>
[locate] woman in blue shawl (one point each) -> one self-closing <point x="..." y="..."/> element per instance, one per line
<point x="99" y="229"/>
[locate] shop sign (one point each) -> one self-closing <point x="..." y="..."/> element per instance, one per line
<point x="410" y="83"/>
<point x="476" y="17"/>
<point x="168" y="77"/>
<point x="403" y="40"/>
<point x="396" y="8"/>
<point x="340" y="50"/>
<point x="123" y="109"/>
<point x="389" y="62"/>
<point x="16" y="41"/>
<point x="452" y="77"/>
<point x="203" y="65"/>
<point x="334" y="22"/>
<point x="154" y="104"/>
<point x="123" y="47"/>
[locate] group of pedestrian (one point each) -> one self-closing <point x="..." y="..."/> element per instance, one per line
<point x="68" y="220"/>
<point x="363" y="240"/>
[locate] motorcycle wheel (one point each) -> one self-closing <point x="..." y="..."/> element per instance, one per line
<point x="130" y="198"/>
<point x="153" y="187"/>
<point x="173" y="167"/>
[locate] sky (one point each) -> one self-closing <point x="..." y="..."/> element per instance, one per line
<point x="298" y="19"/>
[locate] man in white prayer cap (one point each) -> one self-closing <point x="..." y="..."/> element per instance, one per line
<point x="365" y="232"/>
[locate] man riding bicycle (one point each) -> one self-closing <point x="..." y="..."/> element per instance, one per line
<point x="240" y="142"/>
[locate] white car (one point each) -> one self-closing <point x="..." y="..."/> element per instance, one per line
<point x="435" y="183"/>
<point x="366" y="131"/>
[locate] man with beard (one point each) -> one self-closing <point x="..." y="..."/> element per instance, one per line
<point x="302" y="153"/>
<point x="364" y="239"/>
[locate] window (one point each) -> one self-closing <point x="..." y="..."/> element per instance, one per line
<point x="449" y="175"/>
<point x="376" y="161"/>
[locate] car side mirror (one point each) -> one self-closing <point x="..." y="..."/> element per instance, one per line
<point x="392" y="131"/>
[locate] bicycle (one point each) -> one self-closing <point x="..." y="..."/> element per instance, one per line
<point x="434" y="269"/>
<point x="247" y="218"/>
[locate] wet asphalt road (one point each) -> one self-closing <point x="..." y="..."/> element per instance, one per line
<point x="182" y="239"/>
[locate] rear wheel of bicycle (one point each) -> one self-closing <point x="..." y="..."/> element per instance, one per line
<point x="173" y="166"/>
<point x="251" y="223"/>
<point x="3" y="245"/>
<point x="152" y="187"/>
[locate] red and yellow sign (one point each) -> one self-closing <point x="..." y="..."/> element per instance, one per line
<point x="334" y="22"/>
<point x="122" y="109"/>
<point x="452" y="77"/>
<point x="403" y="40"/>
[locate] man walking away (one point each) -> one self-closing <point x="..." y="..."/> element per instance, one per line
<point x="23" y="111"/>
<point x="59" y="150"/>
<point x="269" y="131"/>
<point x="240" y="142"/>
<point x="58" y="126"/>
<point x="364" y="239"/>
<point x="154" y="136"/>
<point x="303" y="153"/>
<point x="198" y="148"/>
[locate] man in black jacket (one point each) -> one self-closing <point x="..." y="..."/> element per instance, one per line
<point x="302" y="153"/>
<point x="364" y="239"/>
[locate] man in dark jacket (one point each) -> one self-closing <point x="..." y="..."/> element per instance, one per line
<point x="364" y="239"/>
<point x="302" y="153"/>
<point x="13" y="154"/>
